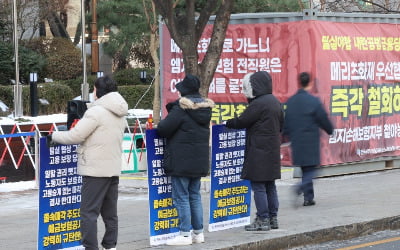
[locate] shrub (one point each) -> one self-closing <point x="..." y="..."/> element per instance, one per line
<point x="6" y="95"/>
<point x="56" y="94"/>
<point x="29" y="61"/>
<point x="132" y="76"/>
<point x="63" y="58"/>
<point x="6" y="64"/>
<point x="76" y="84"/>
<point x="132" y="95"/>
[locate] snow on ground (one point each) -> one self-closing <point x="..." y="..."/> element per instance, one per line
<point x="60" y="118"/>
<point x="17" y="186"/>
<point x="3" y="106"/>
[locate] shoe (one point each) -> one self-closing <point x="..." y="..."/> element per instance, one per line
<point x="180" y="240"/>
<point x="274" y="222"/>
<point x="309" y="203"/>
<point x="110" y="248"/>
<point x="259" y="224"/>
<point x="198" y="238"/>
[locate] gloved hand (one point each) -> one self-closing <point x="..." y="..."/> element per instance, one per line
<point x="230" y="123"/>
<point x="169" y="106"/>
<point x="50" y="142"/>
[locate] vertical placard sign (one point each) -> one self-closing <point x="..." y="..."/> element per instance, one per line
<point x="163" y="214"/>
<point x="59" y="198"/>
<point x="230" y="196"/>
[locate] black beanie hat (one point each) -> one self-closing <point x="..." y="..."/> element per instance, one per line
<point x="189" y="85"/>
<point x="105" y="85"/>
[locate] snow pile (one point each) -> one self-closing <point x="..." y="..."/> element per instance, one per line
<point x="17" y="186"/>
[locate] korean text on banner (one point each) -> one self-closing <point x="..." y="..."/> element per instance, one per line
<point x="59" y="198"/>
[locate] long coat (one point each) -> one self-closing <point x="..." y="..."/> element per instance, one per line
<point x="304" y="116"/>
<point x="100" y="133"/>
<point x="263" y="121"/>
<point x="187" y="130"/>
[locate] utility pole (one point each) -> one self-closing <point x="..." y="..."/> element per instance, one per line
<point x="95" y="42"/>
<point x="85" y="85"/>
<point x="17" y="86"/>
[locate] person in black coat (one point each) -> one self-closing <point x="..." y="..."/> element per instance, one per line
<point x="187" y="156"/>
<point x="263" y="121"/>
<point x="304" y="116"/>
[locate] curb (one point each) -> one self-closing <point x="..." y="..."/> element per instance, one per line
<point x="344" y="232"/>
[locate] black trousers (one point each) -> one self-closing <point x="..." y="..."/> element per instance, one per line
<point x="99" y="197"/>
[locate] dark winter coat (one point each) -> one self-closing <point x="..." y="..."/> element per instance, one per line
<point x="304" y="116"/>
<point x="263" y="121"/>
<point x="187" y="129"/>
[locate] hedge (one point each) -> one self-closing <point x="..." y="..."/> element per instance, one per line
<point x="58" y="95"/>
<point x="131" y="76"/>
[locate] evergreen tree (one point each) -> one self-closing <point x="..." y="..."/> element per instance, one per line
<point x="127" y="24"/>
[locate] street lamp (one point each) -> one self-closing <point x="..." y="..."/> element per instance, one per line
<point x="143" y="76"/>
<point x="85" y="85"/>
<point x="33" y="93"/>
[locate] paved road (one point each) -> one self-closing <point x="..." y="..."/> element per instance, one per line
<point x="346" y="206"/>
<point x="383" y="240"/>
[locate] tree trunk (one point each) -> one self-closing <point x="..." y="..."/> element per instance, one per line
<point x="154" y="41"/>
<point x="186" y="31"/>
<point x="56" y="26"/>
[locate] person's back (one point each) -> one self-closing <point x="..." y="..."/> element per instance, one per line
<point x="263" y="120"/>
<point x="187" y="130"/>
<point x="304" y="116"/>
<point x="100" y="135"/>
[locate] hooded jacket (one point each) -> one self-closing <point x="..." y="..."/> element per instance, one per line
<point x="100" y="134"/>
<point x="187" y="130"/>
<point x="263" y="121"/>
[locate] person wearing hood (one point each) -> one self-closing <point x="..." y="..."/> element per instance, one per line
<point x="99" y="134"/>
<point x="263" y="120"/>
<point x="186" y="156"/>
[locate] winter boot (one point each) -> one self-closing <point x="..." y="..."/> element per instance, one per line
<point x="264" y="224"/>
<point x="253" y="226"/>
<point x="274" y="222"/>
<point x="259" y="224"/>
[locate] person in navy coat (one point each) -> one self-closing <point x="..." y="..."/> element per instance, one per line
<point x="304" y="116"/>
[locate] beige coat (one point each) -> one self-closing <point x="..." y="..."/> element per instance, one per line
<point x="100" y="134"/>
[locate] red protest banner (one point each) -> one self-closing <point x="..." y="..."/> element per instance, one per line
<point x="355" y="68"/>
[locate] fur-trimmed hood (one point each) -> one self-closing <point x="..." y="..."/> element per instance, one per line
<point x="256" y="84"/>
<point x="195" y="103"/>
<point x="197" y="107"/>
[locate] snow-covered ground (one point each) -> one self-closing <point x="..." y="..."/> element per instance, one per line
<point x="17" y="186"/>
<point x="60" y="118"/>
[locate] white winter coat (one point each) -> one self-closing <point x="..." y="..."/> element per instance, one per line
<point x="100" y="134"/>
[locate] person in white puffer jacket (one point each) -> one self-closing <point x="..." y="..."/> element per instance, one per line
<point x="99" y="134"/>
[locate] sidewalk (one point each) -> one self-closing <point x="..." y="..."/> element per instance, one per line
<point x="346" y="206"/>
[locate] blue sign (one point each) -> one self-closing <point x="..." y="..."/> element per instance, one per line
<point x="163" y="214"/>
<point x="59" y="197"/>
<point x="230" y="196"/>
